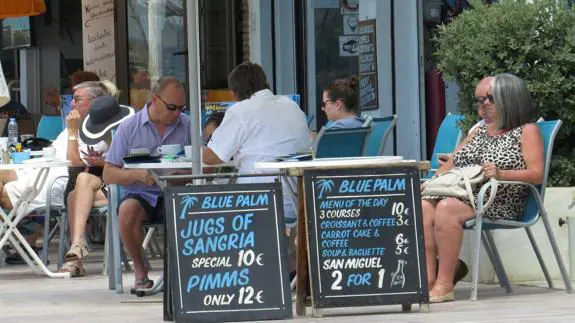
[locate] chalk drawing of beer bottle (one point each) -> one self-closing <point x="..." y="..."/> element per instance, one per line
<point x="398" y="277"/>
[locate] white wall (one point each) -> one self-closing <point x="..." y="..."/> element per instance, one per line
<point x="409" y="85"/>
<point x="381" y="11"/>
<point x="260" y="22"/>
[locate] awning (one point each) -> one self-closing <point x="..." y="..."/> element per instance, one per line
<point x="21" y="8"/>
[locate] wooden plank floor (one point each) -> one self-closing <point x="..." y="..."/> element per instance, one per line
<point x="25" y="297"/>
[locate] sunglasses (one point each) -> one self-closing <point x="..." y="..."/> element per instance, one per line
<point x="323" y="103"/>
<point x="482" y="99"/>
<point x="170" y="106"/>
<point x="79" y="98"/>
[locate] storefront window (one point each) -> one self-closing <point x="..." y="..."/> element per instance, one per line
<point x="9" y="59"/>
<point x="335" y="42"/>
<point x="156" y="45"/>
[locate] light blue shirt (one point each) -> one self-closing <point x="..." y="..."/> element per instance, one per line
<point x="353" y="122"/>
<point x="139" y="132"/>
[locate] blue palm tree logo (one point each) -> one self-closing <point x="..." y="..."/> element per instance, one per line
<point x="187" y="202"/>
<point x="325" y="186"/>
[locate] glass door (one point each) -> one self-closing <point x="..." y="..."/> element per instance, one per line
<point x="332" y="48"/>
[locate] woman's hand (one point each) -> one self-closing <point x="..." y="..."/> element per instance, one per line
<point x="95" y="160"/>
<point x="491" y="171"/>
<point x="73" y="122"/>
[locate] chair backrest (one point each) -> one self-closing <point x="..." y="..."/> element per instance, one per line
<point x="548" y="131"/>
<point x="309" y="119"/>
<point x="380" y="130"/>
<point x="49" y="127"/>
<point x="448" y="135"/>
<point x="347" y="142"/>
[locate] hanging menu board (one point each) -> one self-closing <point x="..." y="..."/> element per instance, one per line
<point x="365" y="237"/>
<point x="368" y="99"/>
<point x="227" y="253"/>
<point x="99" y="47"/>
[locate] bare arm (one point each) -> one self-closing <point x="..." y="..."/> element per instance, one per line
<point x="209" y="157"/>
<point x="533" y="152"/>
<point x="73" y="150"/>
<point x="449" y="163"/>
<point x="116" y="175"/>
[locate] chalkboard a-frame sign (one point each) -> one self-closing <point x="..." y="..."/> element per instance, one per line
<point x="227" y="253"/>
<point x="365" y="237"/>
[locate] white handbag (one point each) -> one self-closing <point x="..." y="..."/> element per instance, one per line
<point x="460" y="183"/>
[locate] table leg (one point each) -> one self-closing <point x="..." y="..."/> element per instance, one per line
<point x="302" y="268"/>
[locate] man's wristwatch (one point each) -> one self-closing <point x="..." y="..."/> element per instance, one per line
<point x="72" y="138"/>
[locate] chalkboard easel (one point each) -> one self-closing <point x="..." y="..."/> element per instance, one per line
<point x="365" y="237"/>
<point x="227" y="254"/>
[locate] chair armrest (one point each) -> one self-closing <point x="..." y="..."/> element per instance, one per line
<point x="532" y="188"/>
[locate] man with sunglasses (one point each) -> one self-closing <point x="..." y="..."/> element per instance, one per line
<point x="160" y="122"/>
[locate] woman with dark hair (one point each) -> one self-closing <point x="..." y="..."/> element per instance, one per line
<point x="340" y="104"/>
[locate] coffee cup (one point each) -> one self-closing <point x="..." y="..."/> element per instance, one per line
<point x="169" y="150"/>
<point x="49" y="153"/>
<point x="188" y="150"/>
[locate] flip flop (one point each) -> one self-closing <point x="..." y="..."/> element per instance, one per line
<point x="75" y="268"/>
<point x="143" y="283"/>
<point x="77" y="252"/>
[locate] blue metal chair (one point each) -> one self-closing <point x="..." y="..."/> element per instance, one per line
<point x="448" y="136"/>
<point x="49" y="127"/>
<point x="380" y="130"/>
<point x="333" y="143"/>
<point x="534" y="210"/>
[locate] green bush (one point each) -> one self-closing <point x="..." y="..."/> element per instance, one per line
<point x="533" y="41"/>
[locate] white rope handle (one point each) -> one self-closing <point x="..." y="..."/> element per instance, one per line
<point x="492" y="192"/>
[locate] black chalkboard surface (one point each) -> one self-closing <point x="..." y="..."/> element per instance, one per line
<point x="227" y="257"/>
<point x="365" y="237"/>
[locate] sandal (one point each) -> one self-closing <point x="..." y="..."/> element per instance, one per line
<point x="75" y="268"/>
<point x="143" y="283"/>
<point x="77" y="251"/>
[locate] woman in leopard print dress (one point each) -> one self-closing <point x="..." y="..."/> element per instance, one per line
<point x="509" y="147"/>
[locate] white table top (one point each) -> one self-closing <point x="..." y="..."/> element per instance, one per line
<point x="170" y="165"/>
<point x="40" y="164"/>
<point x="332" y="162"/>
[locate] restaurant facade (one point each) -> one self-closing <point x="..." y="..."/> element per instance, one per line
<point x="302" y="45"/>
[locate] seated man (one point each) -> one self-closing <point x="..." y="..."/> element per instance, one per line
<point x="160" y="122"/>
<point x="260" y="128"/>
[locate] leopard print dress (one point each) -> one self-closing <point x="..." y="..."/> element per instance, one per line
<point x="505" y="152"/>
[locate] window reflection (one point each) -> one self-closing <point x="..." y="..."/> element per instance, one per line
<point x="156" y="39"/>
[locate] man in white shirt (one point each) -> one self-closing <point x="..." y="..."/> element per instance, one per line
<point x="261" y="127"/>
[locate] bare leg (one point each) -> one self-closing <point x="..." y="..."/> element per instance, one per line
<point x="86" y="193"/>
<point x="428" y="207"/>
<point x="450" y="215"/>
<point x="131" y="216"/>
<point x="70" y="207"/>
<point x="4" y="199"/>
<point x="7" y="176"/>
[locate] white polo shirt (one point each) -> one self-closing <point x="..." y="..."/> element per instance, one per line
<point x="261" y="128"/>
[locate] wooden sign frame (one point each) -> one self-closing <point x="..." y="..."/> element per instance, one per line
<point x="319" y="195"/>
<point x="270" y="277"/>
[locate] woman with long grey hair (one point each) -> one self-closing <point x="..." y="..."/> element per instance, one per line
<point x="509" y="147"/>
